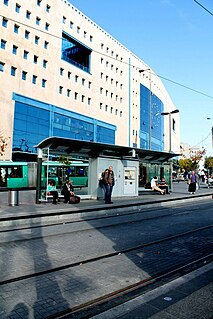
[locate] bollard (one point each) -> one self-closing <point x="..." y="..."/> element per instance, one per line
<point x="13" y="197"/>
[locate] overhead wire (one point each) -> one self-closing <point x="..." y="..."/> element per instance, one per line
<point x="203" y="7"/>
<point x="113" y="58"/>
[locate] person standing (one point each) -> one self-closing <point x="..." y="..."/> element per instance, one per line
<point x="192" y="182"/>
<point x="109" y="182"/>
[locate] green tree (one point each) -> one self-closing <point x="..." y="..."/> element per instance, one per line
<point x="208" y="164"/>
<point x="186" y="164"/>
<point x="64" y="160"/>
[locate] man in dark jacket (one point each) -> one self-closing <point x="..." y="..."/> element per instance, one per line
<point x="109" y="181"/>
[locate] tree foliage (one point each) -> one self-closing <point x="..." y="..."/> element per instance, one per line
<point x="3" y="144"/>
<point x="208" y="162"/>
<point x="191" y="163"/>
<point x="64" y="160"/>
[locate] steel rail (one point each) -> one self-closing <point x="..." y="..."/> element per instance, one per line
<point x="104" y="256"/>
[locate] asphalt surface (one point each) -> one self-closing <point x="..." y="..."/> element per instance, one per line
<point x="190" y="296"/>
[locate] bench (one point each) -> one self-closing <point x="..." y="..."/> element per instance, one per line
<point x="46" y="198"/>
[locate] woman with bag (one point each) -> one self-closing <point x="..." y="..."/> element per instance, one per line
<point x="192" y="183"/>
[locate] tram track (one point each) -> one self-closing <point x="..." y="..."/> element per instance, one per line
<point x="104" y="256"/>
<point x="117" y="297"/>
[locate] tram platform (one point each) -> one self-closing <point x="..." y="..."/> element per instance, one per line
<point x="28" y="208"/>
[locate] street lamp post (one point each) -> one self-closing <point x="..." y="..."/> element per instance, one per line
<point x="211" y="118"/>
<point x="150" y="107"/>
<point x="170" y="126"/>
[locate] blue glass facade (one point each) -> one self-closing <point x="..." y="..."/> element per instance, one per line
<point x="75" y="53"/>
<point x="157" y="122"/>
<point x="35" y="121"/>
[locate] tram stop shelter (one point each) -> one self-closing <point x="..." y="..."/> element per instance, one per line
<point x="128" y="163"/>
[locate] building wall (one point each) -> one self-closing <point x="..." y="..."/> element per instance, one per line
<point x="110" y="91"/>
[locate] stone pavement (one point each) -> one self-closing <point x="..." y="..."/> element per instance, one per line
<point x="39" y="297"/>
<point x="187" y="297"/>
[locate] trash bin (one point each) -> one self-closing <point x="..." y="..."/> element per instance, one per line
<point x="13" y="197"/>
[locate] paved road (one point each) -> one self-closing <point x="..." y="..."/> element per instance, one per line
<point x="41" y="296"/>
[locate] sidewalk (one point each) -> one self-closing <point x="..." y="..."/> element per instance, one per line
<point x="28" y="207"/>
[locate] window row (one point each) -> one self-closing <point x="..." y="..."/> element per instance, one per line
<point x="26" y="34"/>
<point x="76" y="78"/>
<point x="111" y="95"/>
<point x="110" y="109"/>
<point x="24" y="74"/>
<point x="78" y="29"/>
<point x="25" y="53"/>
<point x="112" y="81"/>
<point x="18" y="7"/>
<point x="112" y="67"/>
<point x="76" y="96"/>
<point x="113" y="55"/>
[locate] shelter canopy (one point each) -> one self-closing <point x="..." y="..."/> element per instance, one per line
<point x="66" y="146"/>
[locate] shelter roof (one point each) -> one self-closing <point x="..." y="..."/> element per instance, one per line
<point x="67" y="146"/>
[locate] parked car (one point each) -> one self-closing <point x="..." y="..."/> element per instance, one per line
<point x="178" y="178"/>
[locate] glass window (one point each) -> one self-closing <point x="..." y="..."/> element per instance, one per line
<point x="76" y="95"/>
<point x="60" y="89"/>
<point x="44" y="64"/>
<point x="34" y="78"/>
<point x="61" y="71"/>
<point x="3" y="44"/>
<point x="16" y="28"/>
<point x="46" y="44"/>
<point x="18" y="7"/>
<point x="89" y="101"/>
<point x="48" y="8"/>
<point x="28" y="119"/>
<point x="24" y="75"/>
<point x="15" y="48"/>
<point x="75" y="53"/>
<point x="69" y="74"/>
<point x="68" y="92"/>
<point x="28" y="13"/>
<point x="1" y="67"/>
<point x="64" y="19"/>
<point x="4" y="22"/>
<point x="27" y="33"/>
<point x="6" y="2"/>
<point x="38" y="20"/>
<point x="35" y="59"/>
<point x="71" y="24"/>
<point x="13" y="71"/>
<point x="91" y="38"/>
<point x="39" y="2"/>
<point x="47" y="26"/>
<point x="43" y="83"/>
<point x="25" y="54"/>
<point x="36" y="39"/>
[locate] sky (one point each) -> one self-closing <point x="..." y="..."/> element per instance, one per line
<point x="175" y="38"/>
